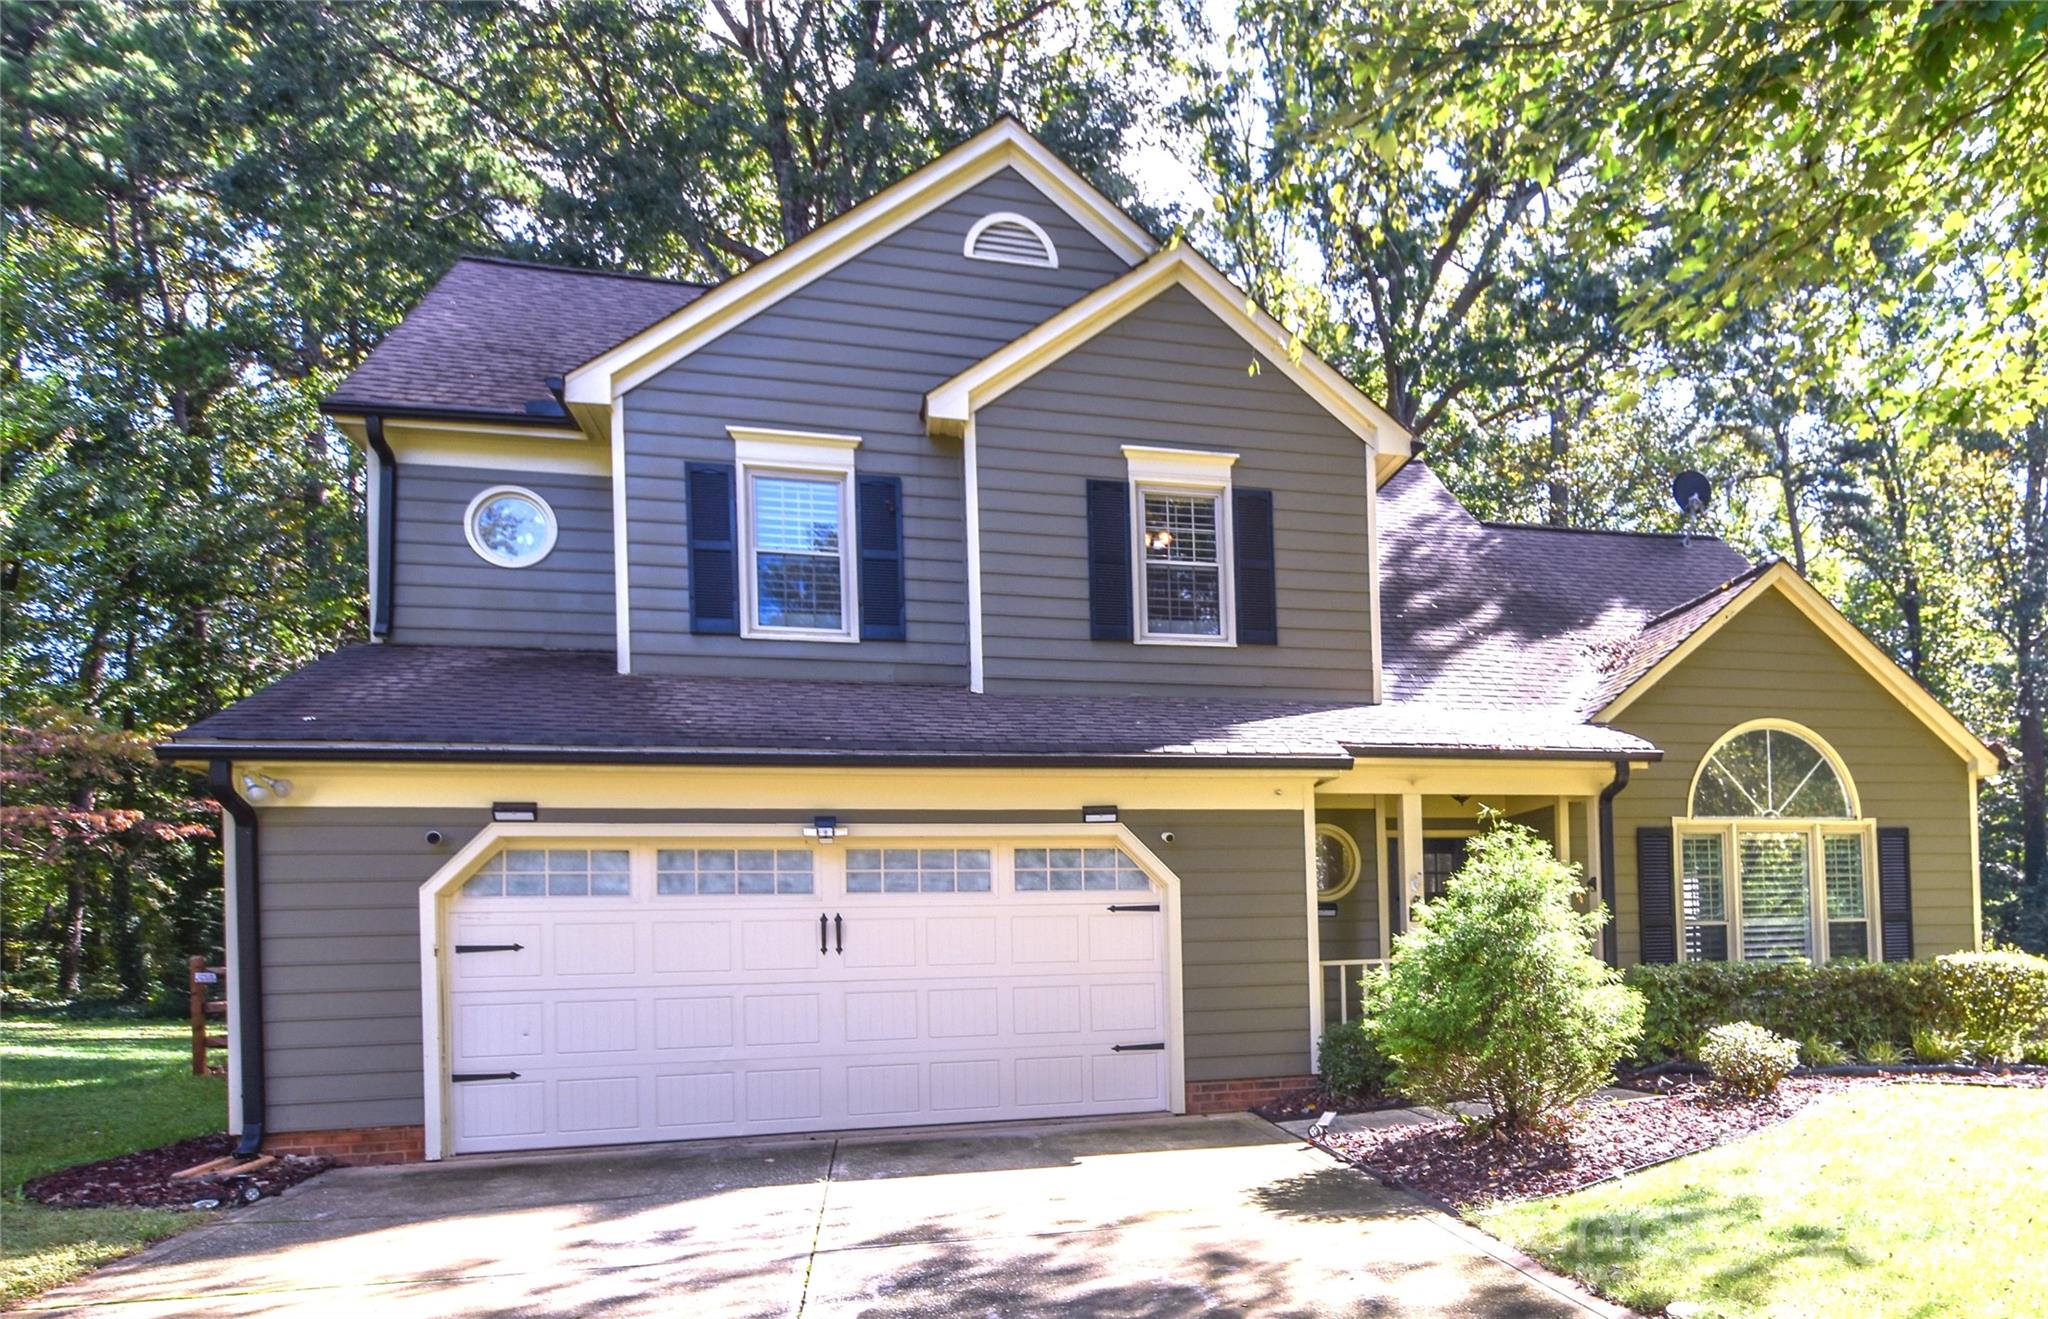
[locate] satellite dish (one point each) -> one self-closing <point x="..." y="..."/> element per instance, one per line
<point x="1692" y="491"/>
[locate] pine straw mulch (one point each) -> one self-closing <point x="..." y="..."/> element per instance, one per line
<point x="1462" y="1167"/>
<point x="143" y="1179"/>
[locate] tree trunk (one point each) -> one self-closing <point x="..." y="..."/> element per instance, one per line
<point x="1788" y="483"/>
<point x="1560" y="487"/>
<point x="2030" y="663"/>
<point x="71" y="953"/>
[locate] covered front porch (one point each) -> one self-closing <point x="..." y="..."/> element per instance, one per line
<point x="1369" y="875"/>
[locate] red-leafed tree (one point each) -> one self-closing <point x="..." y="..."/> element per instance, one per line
<point x="87" y="815"/>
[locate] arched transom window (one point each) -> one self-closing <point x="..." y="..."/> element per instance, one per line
<point x="1774" y="863"/>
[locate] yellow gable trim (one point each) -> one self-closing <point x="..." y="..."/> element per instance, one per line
<point x="948" y="407"/>
<point x="1847" y="636"/>
<point x="597" y="383"/>
<point x="562" y="450"/>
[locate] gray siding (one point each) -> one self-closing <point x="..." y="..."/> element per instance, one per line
<point x="854" y="352"/>
<point x="445" y="595"/>
<point x="341" y="979"/>
<point x="1170" y="374"/>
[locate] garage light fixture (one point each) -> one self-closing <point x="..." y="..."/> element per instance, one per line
<point x="1098" y="815"/>
<point x="519" y="811"/>
<point x="261" y="787"/>
<point x="825" y="828"/>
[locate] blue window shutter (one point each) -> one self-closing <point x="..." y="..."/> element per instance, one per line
<point x="879" y="513"/>
<point x="1895" y="892"/>
<point x="714" y="548"/>
<point x="1258" y="603"/>
<point x="1109" y="560"/>
<point x="1655" y="898"/>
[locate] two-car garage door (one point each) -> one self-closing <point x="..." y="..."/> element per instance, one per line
<point x="600" y="992"/>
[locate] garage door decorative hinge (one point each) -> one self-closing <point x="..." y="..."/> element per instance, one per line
<point x="460" y="1077"/>
<point x="1138" y="1048"/>
<point x="1134" y="906"/>
<point x="488" y="947"/>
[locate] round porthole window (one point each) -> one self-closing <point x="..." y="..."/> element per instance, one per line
<point x="1337" y="863"/>
<point x="510" y="526"/>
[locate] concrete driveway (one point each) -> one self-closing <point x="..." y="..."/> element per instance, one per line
<point x="1153" y="1217"/>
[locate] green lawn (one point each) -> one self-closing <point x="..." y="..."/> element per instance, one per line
<point x="1909" y="1200"/>
<point x="75" y="1091"/>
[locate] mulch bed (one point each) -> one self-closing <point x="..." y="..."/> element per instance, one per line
<point x="1455" y="1165"/>
<point x="1316" y="1101"/>
<point x="143" y="1179"/>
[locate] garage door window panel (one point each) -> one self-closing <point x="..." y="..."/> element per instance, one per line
<point x="1076" y="870"/>
<point x="533" y="872"/>
<point x="733" y="872"/>
<point x="918" y="870"/>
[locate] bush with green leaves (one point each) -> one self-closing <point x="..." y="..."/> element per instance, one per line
<point x="1822" y="1053"/>
<point x="1996" y="1001"/>
<point x="1351" y="1062"/>
<point x="1937" y="1046"/>
<point x="1494" y="994"/>
<point x="1863" y="1001"/>
<point x="1747" y="1059"/>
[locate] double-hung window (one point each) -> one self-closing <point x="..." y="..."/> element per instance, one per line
<point x="1181" y="514"/>
<point x="1773" y="862"/>
<point x="798" y="579"/>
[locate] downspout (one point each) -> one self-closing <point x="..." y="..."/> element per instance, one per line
<point x="387" y="525"/>
<point x="246" y="978"/>
<point x="1610" y="951"/>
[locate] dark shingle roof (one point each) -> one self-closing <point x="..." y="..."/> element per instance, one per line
<point x="1484" y="617"/>
<point x="500" y="704"/>
<point x="487" y="336"/>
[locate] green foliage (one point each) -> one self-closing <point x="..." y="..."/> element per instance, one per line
<point x="1931" y="1045"/>
<point x="1352" y="1064"/>
<point x="1996" y="1001"/>
<point x="1865" y="1001"/>
<point x="2035" y="1053"/>
<point x="1822" y="1053"/>
<point x="1493" y="994"/>
<point x="1747" y="1059"/>
<point x="1881" y="1052"/>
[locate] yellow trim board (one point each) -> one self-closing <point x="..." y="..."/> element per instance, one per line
<point x="598" y="382"/>
<point x="560" y="450"/>
<point x="1781" y="577"/>
<point x="948" y="407"/>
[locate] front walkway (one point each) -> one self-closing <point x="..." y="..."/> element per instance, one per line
<point x="1152" y="1217"/>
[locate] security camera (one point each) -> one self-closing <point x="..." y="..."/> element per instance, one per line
<point x="1166" y="836"/>
<point x="433" y="838"/>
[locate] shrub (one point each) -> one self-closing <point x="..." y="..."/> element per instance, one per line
<point x="1494" y="995"/>
<point x="1881" y="1052"/>
<point x="1866" y="1001"/>
<point x="2036" y="1053"/>
<point x="1747" y="1059"/>
<point x="1937" y="1046"/>
<point x="1823" y="1053"/>
<point x="1996" y="1001"/>
<point x="1352" y="1065"/>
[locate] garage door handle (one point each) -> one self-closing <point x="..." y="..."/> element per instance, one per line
<point x="821" y="934"/>
<point x="839" y="933"/>
<point x="1138" y="1048"/>
<point x="460" y="1077"/>
<point x="488" y="947"/>
<point x="1134" y="906"/>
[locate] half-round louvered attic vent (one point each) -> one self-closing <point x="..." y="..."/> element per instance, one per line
<point x="1007" y="236"/>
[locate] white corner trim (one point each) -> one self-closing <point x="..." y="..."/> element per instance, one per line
<point x="948" y="406"/>
<point x="484" y="552"/>
<point x="622" y="564"/>
<point x="810" y="450"/>
<point x="1005" y="145"/>
<point x="1050" y="261"/>
<point x="1376" y="680"/>
<point x="1206" y="467"/>
<point x="1315" y="930"/>
<point x="972" y="492"/>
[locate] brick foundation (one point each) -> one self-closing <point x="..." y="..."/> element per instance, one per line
<point x="354" y="1144"/>
<point x="1237" y="1096"/>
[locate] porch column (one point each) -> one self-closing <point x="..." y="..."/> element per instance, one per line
<point x="1563" y="812"/>
<point x="1411" y="849"/>
<point x="1593" y="873"/>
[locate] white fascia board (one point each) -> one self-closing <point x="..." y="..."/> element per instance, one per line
<point x="948" y="406"/>
<point x="653" y="350"/>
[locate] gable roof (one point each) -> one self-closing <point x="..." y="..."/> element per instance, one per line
<point x="484" y="341"/>
<point x="1667" y="644"/>
<point x="591" y="386"/>
<point x="1485" y="617"/>
<point x="950" y="406"/>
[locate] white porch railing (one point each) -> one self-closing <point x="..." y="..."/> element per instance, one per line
<point x="1341" y="995"/>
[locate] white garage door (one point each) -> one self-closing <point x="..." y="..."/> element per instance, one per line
<point x="604" y="993"/>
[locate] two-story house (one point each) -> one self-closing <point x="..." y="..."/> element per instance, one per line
<point x="968" y="667"/>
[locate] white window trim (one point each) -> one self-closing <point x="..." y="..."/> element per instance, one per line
<point x="1051" y="260"/>
<point x="1800" y="731"/>
<point x="1182" y="472"/>
<point x="483" y="552"/>
<point x="804" y="454"/>
<point x="1730" y="831"/>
